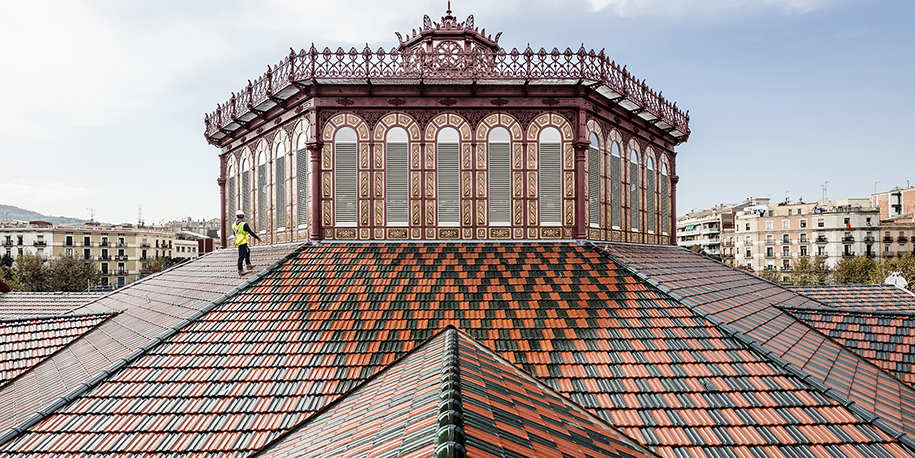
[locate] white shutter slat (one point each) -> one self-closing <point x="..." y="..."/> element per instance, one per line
<point x="665" y="205"/>
<point x="397" y="171"/>
<point x="261" y="198"/>
<point x="634" y="196"/>
<point x="550" y="183"/>
<point x="649" y="199"/>
<point x="594" y="186"/>
<point x="616" y="201"/>
<point x="246" y="193"/>
<point x="301" y="170"/>
<point x="280" y="180"/>
<point x="345" y="184"/>
<point x="449" y="184"/>
<point x="500" y="183"/>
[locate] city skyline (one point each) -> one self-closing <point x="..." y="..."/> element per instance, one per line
<point x="798" y="86"/>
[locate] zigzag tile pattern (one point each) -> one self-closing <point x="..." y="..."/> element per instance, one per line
<point x="20" y="305"/>
<point x="865" y="297"/>
<point x="753" y="307"/>
<point x="23" y="343"/>
<point x="326" y="320"/>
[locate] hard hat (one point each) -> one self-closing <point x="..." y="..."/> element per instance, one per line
<point x="240" y="214"/>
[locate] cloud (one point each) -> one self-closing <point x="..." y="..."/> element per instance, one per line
<point x="704" y="8"/>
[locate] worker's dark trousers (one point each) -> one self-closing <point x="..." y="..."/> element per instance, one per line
<point x="244" y="255"/>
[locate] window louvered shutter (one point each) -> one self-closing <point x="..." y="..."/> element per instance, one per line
<point x="449" y="184"/>
<point x="261" y="198"/>
<point x="634" y="196"/>
<point x="230" y="197"/>
<point x="616" y="198"/>
<point x="594" y="186"/>
<point x="301" y="170"/>
<point x="665" y="205"/>
<point x="500" y="183"/>
<point x="345" y="183"/>
<point x="280" y="180"/>
<point x="550" y="183"/>
<point x="649" y="199"/>
<point x="246" y="193"/>
<point x="397" y="170"/>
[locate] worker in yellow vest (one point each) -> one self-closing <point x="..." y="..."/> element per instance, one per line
<point x="242" y="231"/>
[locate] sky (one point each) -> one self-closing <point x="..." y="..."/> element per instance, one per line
<point x="103" y="101"/>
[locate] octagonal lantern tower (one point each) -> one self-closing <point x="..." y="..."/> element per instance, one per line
<point x="448" y="136"/>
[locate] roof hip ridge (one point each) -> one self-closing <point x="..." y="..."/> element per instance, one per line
<point x="871" y="418"/>
<point x="14" y="431"/>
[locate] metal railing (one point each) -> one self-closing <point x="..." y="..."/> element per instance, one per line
<point x="476" y="65"/>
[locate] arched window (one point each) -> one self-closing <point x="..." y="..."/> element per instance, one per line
<point x="616" y="193"/>
<point x="246" y="187"/>
<point x="665" y="199"/>
<point x="231" y="191"/>
<point x="594" y="181"/>
<point x="500" y="194"/>
<point x="649" y="192"/>
<point x="550" y="177"/>
<point x="345" y="182"/>
<point x="279" y="180"/>
<point x="303" y="177"/>
<point x="397" y="171"/>
<point x="449" y="176"/>
<point x="261" y="191"/>
<point x="634" y="190"/>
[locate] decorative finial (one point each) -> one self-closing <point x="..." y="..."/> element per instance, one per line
<point x="448" y="11"/>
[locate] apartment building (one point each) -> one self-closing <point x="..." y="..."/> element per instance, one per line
<point x="119" y="250"/>
<point x="895" y="202"/>
<point x="778" y="234"/>
<point x="18" y="238"/>
<point x="185" y="248"/>
<point x="703" y="230"/>
<point x="898" y="236"/>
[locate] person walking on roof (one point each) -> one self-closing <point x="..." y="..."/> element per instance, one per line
<point x="242" y="231"/>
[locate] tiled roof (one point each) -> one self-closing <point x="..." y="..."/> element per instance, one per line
<point x="868" y="297"/>
<point x="148" y="309"/>
<point x="16" y="305"/>
<point x="752" y="307"/>
<point x="23" y="343"/>
<point x="321" y="323"/>
<point x="488" y="408"/>
<point x="887" y="339"/>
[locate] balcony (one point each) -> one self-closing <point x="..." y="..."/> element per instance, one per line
<point x="104" y="257"/>
<point x="145" y="244"/>
<point x="120" y="258"/>
<point x="7" y="243"/>
<point x="887" y="239"/>
<point x="869" y="239"/>
<point x="848" y="254"/>
<point x="786" y="242"/>
<point x="848" y="238"/>
<point x="40" y="243"/>
<point x="770" y="242"/>
<point x="122" y="244"/>
<point x="770" y="255"/>
<point x="902" y="239"/>
<point x="68" y="243"/>
<point x="122" y="272"/>
<point x="870" y="254"/>
<point x="821" y="239"/>
<point x="103" y="243"/>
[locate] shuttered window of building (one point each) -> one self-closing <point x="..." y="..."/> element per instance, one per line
<point x="246" y="193"/>
<point x="616" y="197"/>
<point x="649" y="199"/>
<point x="594" y="186"/>
<point x="280" y="180"/>
<point x="500" y="183"/>
<point x="665" y="204"/>
<point x="345" y="184"/>
<point x="634" y="196"/>
<point x="261" y="197"/>
<point x="551" y="183"/>
<point x="230" y="197"/>
<point x="449" y="184"/>
<point x="397" y="170"/>
<point x="301" y="170"/>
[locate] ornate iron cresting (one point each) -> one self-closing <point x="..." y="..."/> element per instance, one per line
<point x="445" y="64"/>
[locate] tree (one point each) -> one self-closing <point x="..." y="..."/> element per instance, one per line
<point x="820" y="271"/>
<point x="70" y="274"/>
<point x="8" y="276"/>
<point x="802" y="273"/>
<point x="6" y="260"/>
<point x="771" y="274"/>
<point x="153" y="265"/>
<point x="904" y="265"/>
<point x="30" y="273"/>
<point x="854" y="271"/>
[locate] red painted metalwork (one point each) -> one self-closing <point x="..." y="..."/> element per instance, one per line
<point x="477" y="65"/>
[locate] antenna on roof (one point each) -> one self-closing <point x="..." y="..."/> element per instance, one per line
<point x="91" y="214"/>
<point x="140" y="215"/>
<point x="825" y="185"/>
<point x="448" y="12"/>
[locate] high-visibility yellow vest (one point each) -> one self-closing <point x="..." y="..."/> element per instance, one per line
<point x="241" y="235"/>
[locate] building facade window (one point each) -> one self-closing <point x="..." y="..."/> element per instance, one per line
<point x="616" y="193"/>
<point x="279" y="182"/>
<point x="345" y="177"/>
<point x="650" y="192"/>
<point x="302" y="177"/>
<point x="634" y="201"/>
<point x="769" y="225"/>
<point x="397" y="173"/>
<point x="665" y="199"/>
<point x="246" y="186"/>
<point x="231" y="196"/>
<point x="500" y="195"/>
<point x="803" y="251"/>
<point x="262" y="190"/>
<point x="594" y="181"/>
<point x="803" y="223"/>
<point x="550" y="148"/>
<point x="447" y="148"/>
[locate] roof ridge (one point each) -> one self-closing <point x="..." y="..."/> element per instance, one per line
<point x="53" y="317"/>
<point x="752" y="344"/>
<point x="120" y="364"/>
<point x="107" y="316"/>
<point x="852" y="310"/>
<point x="330" y="405"/>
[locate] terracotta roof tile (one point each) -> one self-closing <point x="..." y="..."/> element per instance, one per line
<point x="19" y="305"/>
<point x="146" y="309"/>
<point x="867" y="297"/>
<point x="310" y="331"/>
<point x="26" y="342"/>
<point x="752" y="307"/>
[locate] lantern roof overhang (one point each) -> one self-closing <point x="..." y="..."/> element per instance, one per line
<point x="417" y="62"/>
